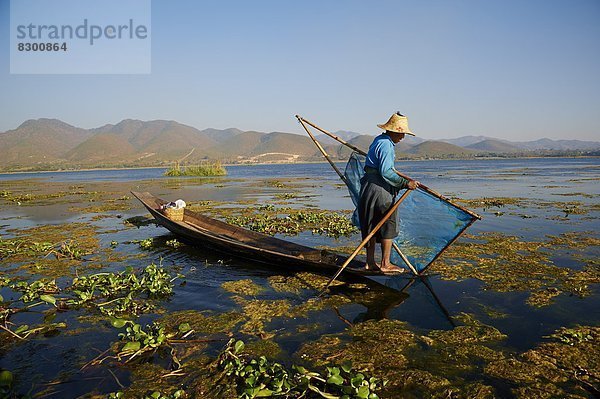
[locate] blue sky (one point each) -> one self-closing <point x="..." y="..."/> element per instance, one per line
<point x="517" y="70"/>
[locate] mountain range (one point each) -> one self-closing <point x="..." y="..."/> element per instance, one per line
<point x="53" y="144"/>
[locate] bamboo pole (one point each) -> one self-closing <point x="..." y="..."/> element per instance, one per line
<point x="421" y="186"/>
<point x="340" y="174"/>
<point x="440" y="196"/>
<point x="405" y="259"/>
<point x="367" y="238"/>
<point x="333" y="136"/>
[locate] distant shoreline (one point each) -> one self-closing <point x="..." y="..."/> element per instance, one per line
<point x="287" y="163"/>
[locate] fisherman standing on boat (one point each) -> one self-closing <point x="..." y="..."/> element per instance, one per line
<point x="379" y="187"/>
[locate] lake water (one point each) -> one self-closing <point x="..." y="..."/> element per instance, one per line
<point x="546" y="189"/>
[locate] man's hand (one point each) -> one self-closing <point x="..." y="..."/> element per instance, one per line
<point x="413" y="184"/>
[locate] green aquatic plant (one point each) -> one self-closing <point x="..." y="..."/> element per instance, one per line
<point x="173" y="243"/>
<point x="205" y="169"/>
<point x="23" y="247"/>
<point x="112" y="294"/>
<point x="266" y="207"/>
<point x="242" y="287"/>
<point x="146" y="243"/>
<point x="36" y="290"/>
<point x="572" y="336"/>
<point x="202" y="323"/>
<point x="71" y="250"/>
<point x="20" y="249"/>
<point x="24" y="331"/>
<point x="137" y="339"/>
<point x="266" y="224"/>
<point x="179" y="394"/>
<point x="433" y="365"/>
<point x="285" y="196"/>
<point x="122" y="289"/>
<point x="258" y="313"/>
<point x="6" y="383"/>
<point x="332" y="224"/>
<point x="140" y="340"/>
<point x="26" y="198"/>
<point x="260" y="377"/>
<point x="487" y="202"/>
<point x="36" y="243"/>
<point x="108" y="205"/>
<point x="276" y="184"/>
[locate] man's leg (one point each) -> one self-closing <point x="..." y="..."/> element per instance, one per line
<point x="386" y="251"/>
<point x="371" y="264"/>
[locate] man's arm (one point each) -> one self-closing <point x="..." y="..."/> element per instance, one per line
<point x="386" y="166"/>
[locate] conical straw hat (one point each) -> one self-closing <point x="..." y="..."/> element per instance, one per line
<point x="397" y="123"/>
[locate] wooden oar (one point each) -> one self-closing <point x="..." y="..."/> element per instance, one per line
<point x="421" y="186"/>
<point x="367" y="238"/>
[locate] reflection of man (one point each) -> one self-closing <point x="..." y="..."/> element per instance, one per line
<point x="379" y="186"/>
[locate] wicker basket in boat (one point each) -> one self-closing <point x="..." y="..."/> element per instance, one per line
<point x="174" y="214"/>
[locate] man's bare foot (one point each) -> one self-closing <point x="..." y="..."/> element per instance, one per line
<point x="391" y="268"/>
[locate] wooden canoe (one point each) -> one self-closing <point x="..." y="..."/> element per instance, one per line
<point x="214" y="234"/>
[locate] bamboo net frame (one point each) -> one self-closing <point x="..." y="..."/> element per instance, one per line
<point x="475" y="216"/>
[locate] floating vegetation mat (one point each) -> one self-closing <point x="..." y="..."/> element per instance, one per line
<point x="271" y="219"/>
<point x="87" y="198"/>
<point x="441" y="364"/>
<point x="506" y="263"/>
<point x="292" y="222"/>
<point x="567" y="367"/>
<point x="242" y="287"/>
<point x="523" y="207"/>
<point x="86" y="310"/>
<point x="48" y="250"/>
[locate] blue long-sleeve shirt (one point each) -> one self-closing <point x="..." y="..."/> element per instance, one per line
<point x="381" y="156"/>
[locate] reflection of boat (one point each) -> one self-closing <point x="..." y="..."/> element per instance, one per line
<point x="234" y="240"/>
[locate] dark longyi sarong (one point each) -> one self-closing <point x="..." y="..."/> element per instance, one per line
<point x="376" y="198"/>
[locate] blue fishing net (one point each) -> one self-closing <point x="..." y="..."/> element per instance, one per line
<point x="427" y="224"/>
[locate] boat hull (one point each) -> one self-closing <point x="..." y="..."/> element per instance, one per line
<point x="205" y="232"/>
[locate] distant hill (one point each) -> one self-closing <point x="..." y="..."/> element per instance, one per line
<point x="547" y="144"/>
<point x="495" y="146"/>
<point x="242" y="144"/>
<point x="439" y="149"/>
<point x="466" y="141"/>
<point x="102" y="147"/>
<point x="343" y="134"/>
<point x="39" y="141"/>
<point x="541" y="144"/>
<point x="286" y="142"/>
<point x="51" y="144"/>
<point x="348" y="136"/>
<point x="221" y="135"/>
<point x="340" y="151"/>
<point x="256" y="146"/>
<point x="157" y="139"/>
